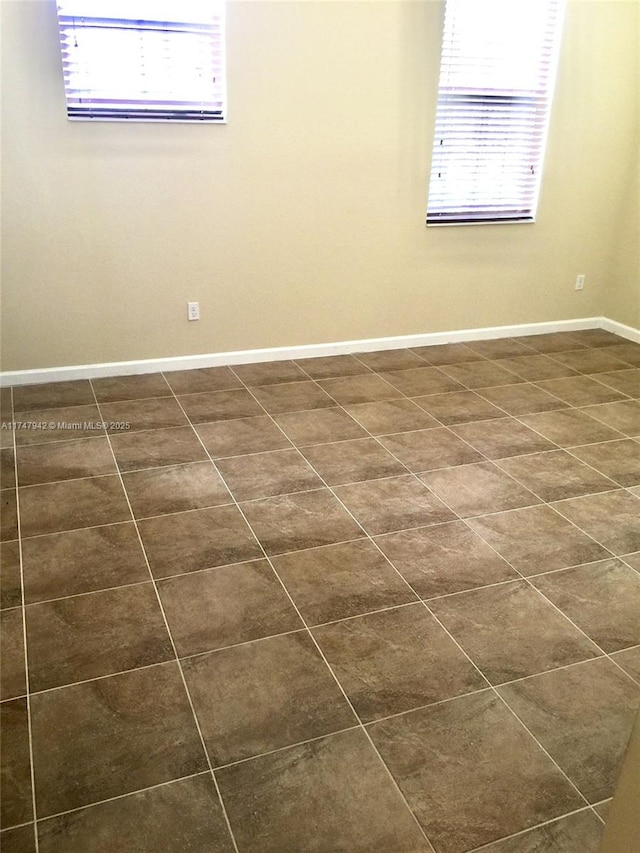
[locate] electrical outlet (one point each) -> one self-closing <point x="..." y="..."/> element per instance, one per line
<point x="580" y="282"/>
<point x="193" y="310"/>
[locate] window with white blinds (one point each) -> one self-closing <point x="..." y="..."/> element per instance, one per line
<point x="143" y="60"/>
<point x="497" y="72"/>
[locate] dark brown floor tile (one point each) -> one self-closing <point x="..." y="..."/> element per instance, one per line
<point x="319" y="426"/>
<point x="471" y="772"/>
<point x="458" y="408"/>
<point x="10" y="590"/>
<point x="82" y="561"/>
<point x="611" y="518"/>
<point x="111" y="736"/>
<point x="52" y="395"/>
<point x="183" y="815"/>
<point x="15" y="777"/>
<point x="200" y="539"/>
<point x="8" y="515"/>
<point x="583" y="716"/>
<point x="135" y="415"/>
<point x="500" y="348"/>
<point x="439" y="354"/>
<point x="19" y="840"/>
<point x="87" y="636"/>
<point x="581" y="390"/>
<point x="220" y="406"/>
<point x="569" y="427"/>
<point x="65" y="424"/>
<point x="12" y="673"/>
<point x="221" y="607"/>
<point x="330" y="366"/>
<point x="428" y="449"/>
<point x="535" y="368"/>
<point x="295" y="522"/>
<point x="114" y="389"/>
<point x="393" y="504"/>
<point x="629" y="660"/>
<point x="391" y="359"/>
<point x="443" y="559"/>
<point x="634" y="559"/>
<point x="602" y="599"/>
<point x="628" y="352"/>
<point x="397" y="660"/>
<point x="330" y="795"/>
<point x="7" y="431"/>
<point x="7" y="468"/>
<point x="261" y="475"/>
<point x="292" y="397"/>
<point x="597" y="338"/>
<point x="590" y="361"/>
<point x="202" y="380"/>
<point x="603" y="809"/>
<point x="576" y="833"/>
<point x="522" y="399"/>
<point x="556" y="474"/>
<point x="6" y="404"/>
<point x="352" y="461"/>
<point x="238" y="437"/>
<point x="421" y="380"/>
<point x="619" y="460"/>
<point x="625" y="381"/>
<point x="339" y="581"/>
<point x="156" y="448"/>
<point x="350" y="390"/>
<point x="510" y="631"/>
<point x="553" y="342"/>
<point x="537" y="539"/>
<point x="624" y="416"/>
<point x="181" y="487"/>
<point x="64" y="460"/>
<point x="269" y="373"/>
<point x="481" y="374"/>
<point x="389" y="416"/>
<point x="264" y="695"/>
<point x="54" y="507"/>
<point x="499" y="439"/>
<point x="477" y="489"/>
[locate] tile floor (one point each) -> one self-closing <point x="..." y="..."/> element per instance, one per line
<point x="386" y="603"/>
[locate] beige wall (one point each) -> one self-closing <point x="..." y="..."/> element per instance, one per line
<point x="302" y="220"/>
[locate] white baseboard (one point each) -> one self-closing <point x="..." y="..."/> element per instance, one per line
<point x="153" y="365"/>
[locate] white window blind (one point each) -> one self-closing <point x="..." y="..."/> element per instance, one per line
<point x="497" y="72"/>
<point x="145" y="60"/>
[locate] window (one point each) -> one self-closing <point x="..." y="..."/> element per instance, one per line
<point x="497" y="70"/>
<point x="143" y="60"/>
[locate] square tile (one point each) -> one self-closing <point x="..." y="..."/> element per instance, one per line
<point x="350" y="390"/>
<point x="471" y="772"/>
<point x="583" y="716"/>
<point x="199" y="539"/>
<point x="569" y="427"/>
<point x="500" y="348"/>
<point x="597" y="338"/>
<point x="261" y="475"/>
<point x="220" y="406"/>
<point x="444" y="558"/>
<point x="330" y="366"/>
<point x="319" y="426"/>
<point x="64" y="424"/>
<point x="628" y="352"/>
<point x="15" y="778"/>
<point x="202" y="380"/>
<point x="135" y="415"/>
<point x="396" y="660"/>
<point x="535" y="368"/>
<point x="342" y="580"/>
<point x="553" y="342"/>
<point x="114" y="389"/>
<point x="329" y="795"/>
<point x="54" y="507"/>
<point x="556" y="474"/>
<point x="439" y="354"/>
<point x="422" y="380"/>
<point x="64" y="460"/>
<point x="80" y="561"/>
<point x="393" y="504"/>
<point x="175" y="489"/>
<point x="481" y="374"/>
<point x="238" y="437"/>
<point x="10" y="582"/>
<point x="611" y="518"/>
<point x="625" y="381"/>
<point x="182" y="815"/>
<point x="623" y="417"/>
<point x="590" y="361"/>
<point x="292" y="397"/>
<point x="459" y="407"/>
<point x="88" y="636"/>
<point x="476" y="489"/>
<point x="269" y="373"/>
<point x="619" y="460"/>
<point x="157" y="448"/>
<point x="391" y="359"/>
<point x="12" y="673"/>
<point x="296" y="522"/>
<point x="581" y="832"/>
<point x="264" y="695"/>
<point x="388" y="416"/>
<point x="221" y="607"/>
<point x="602" y="599"/>
<point x="428" y="449"/>
<point x="537" y="539"/>
<point x="111" y="736"/>
<point x="581" y="390"/>
<point x="352" y="461"/>
<point x="522" y="399"/>
<point x="52" y="395"/>
<point x="510" y="631"/>
<point x="8" y="515"/>
<point x="499" y="439"/>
